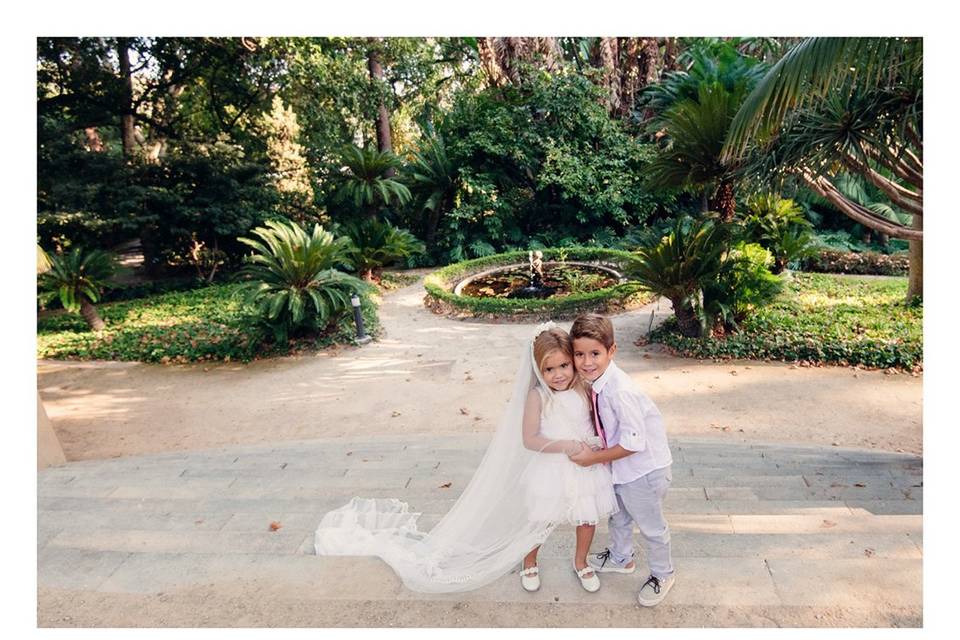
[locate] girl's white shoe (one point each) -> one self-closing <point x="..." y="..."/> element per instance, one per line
<point x="592" y="583"/>
<point x="530" y="578"/>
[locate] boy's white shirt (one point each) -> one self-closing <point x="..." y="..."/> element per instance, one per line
<point x="631" y="420"/>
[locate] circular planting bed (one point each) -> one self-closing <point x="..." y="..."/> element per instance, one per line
<point x="575" y="280"/>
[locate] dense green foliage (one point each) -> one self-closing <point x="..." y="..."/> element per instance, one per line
<point x="778" y="224"/>
<point x="206" y="324"/>
<point x="821" y="318"/>
<point x="536" y="166"/>
<point x="375" y="245"/>
<point x="77" y="275"/>
<point x="864" y="263"/>
<point x="427" y="151"/>
<point x="292" y="278"/>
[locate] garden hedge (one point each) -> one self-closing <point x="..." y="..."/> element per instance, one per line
<point x="440" y="284"/>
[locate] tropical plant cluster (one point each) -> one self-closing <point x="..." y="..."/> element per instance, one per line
<point x="307" y="166"/>
<point x="207" y="324"/>
<point x="820" y="318"/>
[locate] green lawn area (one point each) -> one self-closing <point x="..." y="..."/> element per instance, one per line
<point x="211" y="323"/>
<point x="849" y="320"/>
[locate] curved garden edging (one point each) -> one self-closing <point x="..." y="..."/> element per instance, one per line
<point x="441" y="298"/>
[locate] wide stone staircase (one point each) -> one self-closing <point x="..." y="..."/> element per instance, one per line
<point x="763" y="535"/>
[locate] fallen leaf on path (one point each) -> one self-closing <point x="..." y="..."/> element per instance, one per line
<point x="275" y="526"/>
<point x="464" y="411"/>
<point x="445" y="485"/>
<point x="349" y="453"/>
<point x="868" y="552"/>
<point x="859" y="484"/>
<point x="733" y="373"/>
<point x="394" y="414"/>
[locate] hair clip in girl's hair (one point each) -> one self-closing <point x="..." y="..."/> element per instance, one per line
<point x="545" y="326"/>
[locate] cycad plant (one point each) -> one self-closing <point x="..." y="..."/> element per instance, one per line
<point x="778" y="224"/>
<point x="375" y="245"/>
<point x="78" y="278"/>
<point x="293" y="280"/>
<point x="365" y="183"/>
<point x="680" y="265"/>
<point x="434" y="178"/>
<point x="695" y="132"/>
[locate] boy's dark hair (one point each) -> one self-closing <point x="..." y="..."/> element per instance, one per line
<point x="595" y="326"/>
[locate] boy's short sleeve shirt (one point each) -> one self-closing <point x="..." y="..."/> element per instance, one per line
<point x="633" y="421"/>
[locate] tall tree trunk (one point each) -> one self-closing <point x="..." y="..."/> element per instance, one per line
<point x="670" y="51"/>
<point x="384" y="140"/>
<point x="488" y="60"/>
<point x="608" y="53"/>
<point x="89" y="313"/>
<point x="723" y="201"/>
<point x="127" y="132"/>
<point x="94" y="142"/>
<point x="915" y="280"/>
<point x="687" y="319"/>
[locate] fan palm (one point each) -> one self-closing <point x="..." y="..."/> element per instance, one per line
<point x="375" y="245"/>
<point x="292" y="277"/>
<point x="680" y="265"/>
<point x="364" y="181"/>
<point x="78" y="278"/>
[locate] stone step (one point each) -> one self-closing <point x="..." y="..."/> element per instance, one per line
<point x="719" y="581"/>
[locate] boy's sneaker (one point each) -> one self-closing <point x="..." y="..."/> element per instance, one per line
<point x="603" y="562"/>
<point x="654" y="590"/>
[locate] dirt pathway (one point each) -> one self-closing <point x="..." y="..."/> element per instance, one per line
<point x="431" y="374"/>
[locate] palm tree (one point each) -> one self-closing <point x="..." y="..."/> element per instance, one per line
<point x="834" y="105"/>
<point x="680" y="266"/>
<point x="78" y="278"/>
<point x="364" y="181"/>
<point x="375" y="245"/>
<point x="695" y="131"/>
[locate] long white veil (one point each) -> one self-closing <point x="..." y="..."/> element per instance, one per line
<point x="486" y="532"/>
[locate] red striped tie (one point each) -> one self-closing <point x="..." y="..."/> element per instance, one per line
<point x="597" y="424"/>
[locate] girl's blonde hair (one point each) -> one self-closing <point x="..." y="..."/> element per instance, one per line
<point x="556" y="339"/>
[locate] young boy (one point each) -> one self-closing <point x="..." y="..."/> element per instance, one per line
<point x="636" y="448"/>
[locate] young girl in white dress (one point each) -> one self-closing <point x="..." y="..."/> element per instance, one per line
<point x="557" y="423"/>
<point x="524" y="486"/>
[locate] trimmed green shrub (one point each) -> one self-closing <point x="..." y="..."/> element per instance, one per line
<point x="865" y="263"/>
<point x="440" y="283"/>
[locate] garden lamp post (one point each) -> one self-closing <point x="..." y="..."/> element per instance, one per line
<point x="362" y="337"/>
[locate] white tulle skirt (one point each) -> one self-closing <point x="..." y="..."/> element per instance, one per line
<point x="560" y="491"/>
